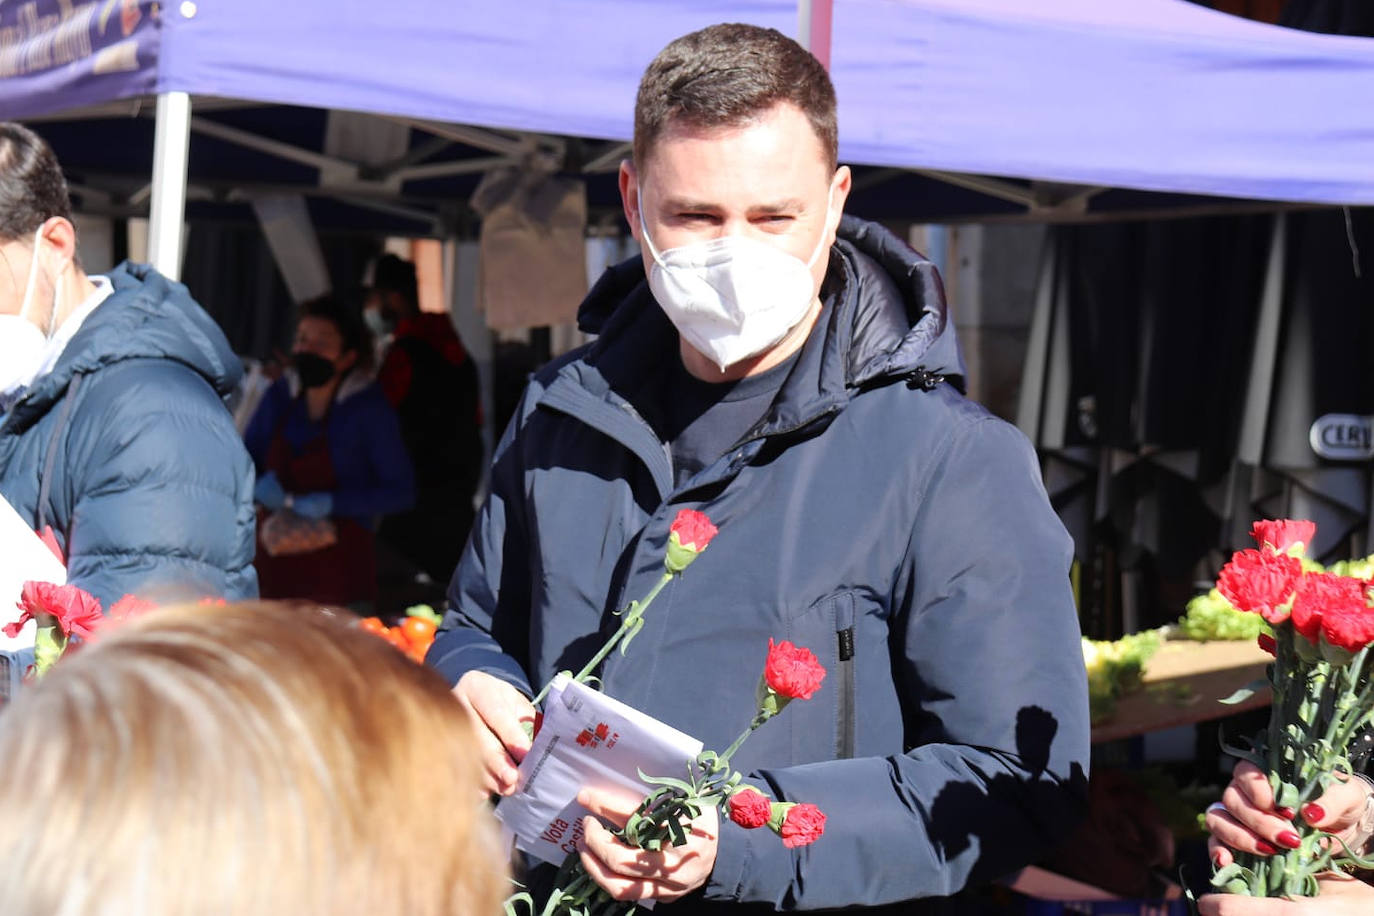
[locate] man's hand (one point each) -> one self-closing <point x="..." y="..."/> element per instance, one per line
<point x="1340" y="896"/>
<point x="627" y="873"/>
<point x="1251" y="823"/>
<point x="499" y="716"/>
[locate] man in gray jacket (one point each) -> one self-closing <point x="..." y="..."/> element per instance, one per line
<point x="792" y="373"/>
<point x="114" y="436"/>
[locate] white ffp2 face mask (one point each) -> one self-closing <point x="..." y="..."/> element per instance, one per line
<point x="22" y="345"/>
<point x="732" y="297"/>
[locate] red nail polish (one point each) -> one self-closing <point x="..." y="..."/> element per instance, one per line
<point x="1290" y="839"/>
<point x="1285" y="813"/>
<point x="1313" y="812"/>
<point x="1265" y="849"/>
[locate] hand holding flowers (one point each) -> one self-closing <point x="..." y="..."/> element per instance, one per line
<point x="666" y="846"/>
<point x="1323" y="624"/>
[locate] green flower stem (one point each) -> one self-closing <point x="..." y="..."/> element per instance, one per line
<point x="632" y="616"/>
<point x="759" y="719"/>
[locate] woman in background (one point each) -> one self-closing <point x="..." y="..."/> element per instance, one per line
<point x="250" y="759"/>
<point x="327" y="445"/>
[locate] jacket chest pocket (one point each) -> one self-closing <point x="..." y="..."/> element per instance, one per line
<point x="834" y="620"/>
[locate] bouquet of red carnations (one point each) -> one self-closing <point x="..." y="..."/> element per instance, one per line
<point x="1322" y="625"/>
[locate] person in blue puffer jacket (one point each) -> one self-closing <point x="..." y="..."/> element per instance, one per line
<point x="115" y="439"/>
<point x="327" y="444"/>
<point x="793" y="374"/>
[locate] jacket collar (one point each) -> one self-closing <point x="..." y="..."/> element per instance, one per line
<point x="884" y="317"/>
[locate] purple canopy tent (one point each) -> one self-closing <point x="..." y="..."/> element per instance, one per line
<point x="1075" y="95"/>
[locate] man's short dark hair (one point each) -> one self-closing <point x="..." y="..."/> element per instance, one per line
<point x="395" y="275"/>
<point x="727" y="75"/>
<point x="32" y="189"/>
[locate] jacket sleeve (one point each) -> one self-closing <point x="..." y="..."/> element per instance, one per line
<point x="986" y="655"/>
<point x="391" y="476"/>
<point x="162" y="490"/>
<point x="486" y="627"/>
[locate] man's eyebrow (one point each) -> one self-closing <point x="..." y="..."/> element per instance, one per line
<point x="686" y="205"/>
<point x="782" y="206"/>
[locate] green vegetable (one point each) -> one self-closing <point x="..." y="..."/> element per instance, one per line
<point x="1211" y="616"/>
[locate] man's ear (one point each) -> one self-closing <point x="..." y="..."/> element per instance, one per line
<point x="629" y="196"/>
<point x="60" y="235"/>
<point x="840" y="187"/>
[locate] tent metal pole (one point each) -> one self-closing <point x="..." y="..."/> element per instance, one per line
<point x="813" y="28"/>
<point x="167" y="211"/>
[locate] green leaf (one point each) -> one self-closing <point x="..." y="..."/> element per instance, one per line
<point x="635" y="626"/>
<point x="1287" y="796"/>
<point x="680" y="785"/>
<point x="1246" y="692"/>
<point x="1250" y="755"/>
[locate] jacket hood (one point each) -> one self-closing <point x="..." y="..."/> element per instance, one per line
<point x="887" y="315"/>
<point x="147" y="316"/>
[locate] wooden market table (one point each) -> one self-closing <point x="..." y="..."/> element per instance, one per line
<point x="1184" y="683"/>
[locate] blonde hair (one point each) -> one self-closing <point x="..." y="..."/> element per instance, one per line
<point x="252" y="759"/>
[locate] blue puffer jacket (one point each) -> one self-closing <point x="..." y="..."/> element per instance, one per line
<point x="902" y="534"/>
<point x="130" y="450"/>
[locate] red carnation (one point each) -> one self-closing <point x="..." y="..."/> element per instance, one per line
<point x="693" y="529"/>
<point x="1280" y="535"/>
<point x="1260" y="582"/>
<point x="791" y="671"/>
<point x="688" y="536"/>
<point x="802" y="825"/>
<point x="130" y="606"/>
<point x="1346" y="619"/>
<point x="750" y="808"/>
<point x="77" y="612"/>
<point x="1320" y="595"/>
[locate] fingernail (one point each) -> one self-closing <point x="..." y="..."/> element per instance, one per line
<point x="1216" y="860"/>
<point x="1290" y="839"/>
<point x="1285" y="813"/>
<point x="1313" y="812"/>
<point x="1265" y="849"/>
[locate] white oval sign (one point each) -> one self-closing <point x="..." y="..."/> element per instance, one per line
<point x="1343" y="437"/>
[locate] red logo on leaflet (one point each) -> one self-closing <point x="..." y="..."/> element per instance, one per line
<point x="594" y="737"/>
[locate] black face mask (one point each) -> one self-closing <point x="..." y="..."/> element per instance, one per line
<point x="313" y="369"/>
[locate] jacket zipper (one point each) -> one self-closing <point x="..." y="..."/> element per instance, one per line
<point x="844" y="654"/>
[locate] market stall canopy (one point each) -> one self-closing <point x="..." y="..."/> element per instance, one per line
<point x="1160" y="95"/>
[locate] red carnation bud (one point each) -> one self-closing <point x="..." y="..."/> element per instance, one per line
<point x="1282" y="534"/>
<point x="1267" y="643"/>
<point x="750" y="808"/>
<point x="1260" y="582"/>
